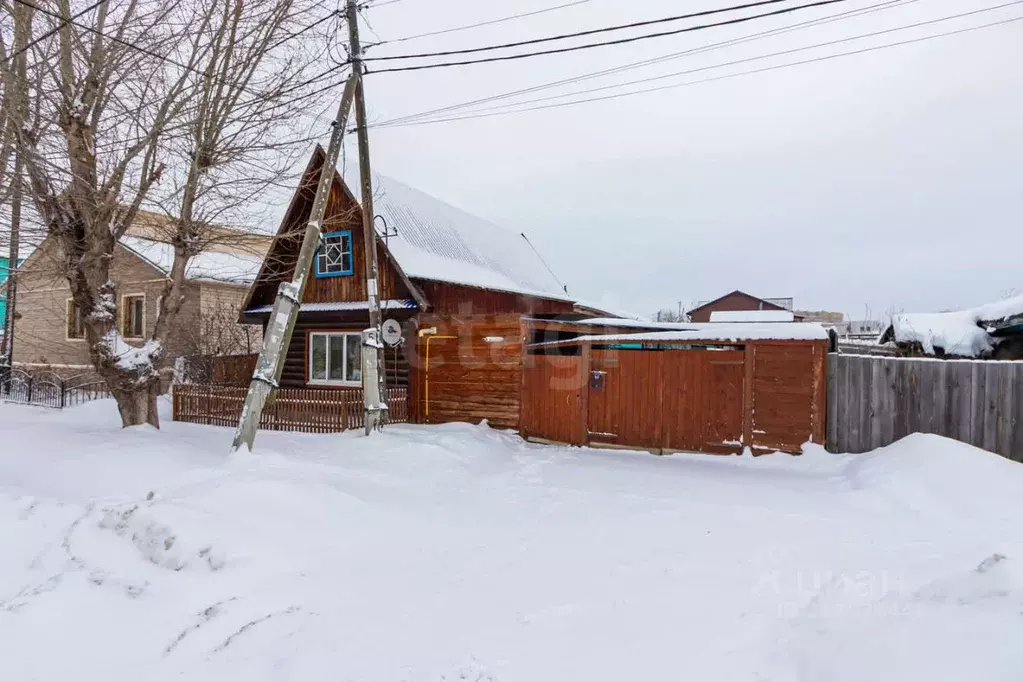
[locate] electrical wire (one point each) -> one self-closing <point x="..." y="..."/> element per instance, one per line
<point x="757" y="58"/>
<point x="490" y="22"/>
<point x="724" y="76"/>
<point x="59" y="26"/>
<point x="887" y="4"/>
<point x="581" y="34"/>
<point x="607" y="43"/>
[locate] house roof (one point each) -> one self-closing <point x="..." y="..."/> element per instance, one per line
<point x="437" y="241"/>
<point x="773" y="303"/>
<point x="208" y="266"/>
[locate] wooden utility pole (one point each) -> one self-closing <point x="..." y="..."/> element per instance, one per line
<point x="374" y="395"/>
<point x="279" y="329"/>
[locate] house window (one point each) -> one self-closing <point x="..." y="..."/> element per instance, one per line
<point x="75" y="321"/>
<point x="133" y="316"/>
<point x="335" y="359"/>
<point x="334" y="257"/>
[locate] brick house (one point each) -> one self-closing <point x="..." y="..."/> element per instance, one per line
<point x="48" y="326"/>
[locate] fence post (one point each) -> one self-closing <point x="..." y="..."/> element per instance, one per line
<point x="31" y="381"/>
<point x="63" y="388"/>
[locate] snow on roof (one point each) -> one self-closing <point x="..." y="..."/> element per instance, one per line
<point x="437" y="241"/>
<point x="338" y="306"/>
<point x="211" y="266"/>
<point x="752" y="316"/>
<point x="717" y="331"/>
<point x="963" y="332"/>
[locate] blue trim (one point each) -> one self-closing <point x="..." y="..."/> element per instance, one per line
<point x="351" y="250"/>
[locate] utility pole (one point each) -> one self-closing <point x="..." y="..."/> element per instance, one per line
<point x="279" y="329"/>
<point x="374" y="395"/>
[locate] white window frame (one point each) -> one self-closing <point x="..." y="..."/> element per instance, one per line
<point x="350" y="337"/>
<point x="124" y="309"/>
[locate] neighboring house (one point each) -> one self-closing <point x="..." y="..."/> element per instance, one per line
<point x="458" y="286"/>
<point x="740" y="301"/>
<point x="991" y="331"/>
<point x="49" y="330"/>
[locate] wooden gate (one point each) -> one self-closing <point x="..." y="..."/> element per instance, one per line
<point x="667" y="399"/>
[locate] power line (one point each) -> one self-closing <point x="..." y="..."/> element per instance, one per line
<point x="722" y="77"/>
<point x="620" y="41"/>
<point x="174" y="62"/>
<point x="304" y="30"/>
<point x="61" y="25"/>
<point x="757" y="58"/>
<point x="115" y="39"/>
<point x="887" y="4"/>
<point x="580" y="34"/>
<point x="490" y="22"/>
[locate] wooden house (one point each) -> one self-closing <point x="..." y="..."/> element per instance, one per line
<point x="741" y="301"/>
<point x="457" y="285"/>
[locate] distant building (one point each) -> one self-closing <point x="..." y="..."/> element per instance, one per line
<point x="50" y="328"/>
<point x="741" y="301"/>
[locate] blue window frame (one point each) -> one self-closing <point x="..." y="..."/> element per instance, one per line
<point x="334" y="257"/>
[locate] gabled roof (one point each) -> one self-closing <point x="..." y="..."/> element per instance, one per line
<point x="433" y="240"/>
<point x="208" y="266"/>
<point x="770" y="303"/>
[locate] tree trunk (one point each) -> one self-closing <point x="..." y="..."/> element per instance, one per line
<point x="138" y="406"/>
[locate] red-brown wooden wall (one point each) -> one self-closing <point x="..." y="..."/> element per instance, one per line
<point x="769" y="395"/>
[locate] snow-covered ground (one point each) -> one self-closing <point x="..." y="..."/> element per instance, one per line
<point x="461" y="553"/>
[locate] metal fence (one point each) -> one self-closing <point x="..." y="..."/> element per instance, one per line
<point x="47" y="389"/>
<point x="874" y="401"/>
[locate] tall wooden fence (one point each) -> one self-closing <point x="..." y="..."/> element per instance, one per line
<point x="874" y="401"/>
<point x="294" y="409"/>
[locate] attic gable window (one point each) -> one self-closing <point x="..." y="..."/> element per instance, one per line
<point x="334" y="258"/>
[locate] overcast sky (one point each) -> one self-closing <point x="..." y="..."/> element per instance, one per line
<point x="891" y="178"/>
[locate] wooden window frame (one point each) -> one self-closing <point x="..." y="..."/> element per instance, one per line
<point x="345" y="234"/>
<point x="121" y="319"/>
<point x="327" y="383"/>
<point x="69" y="305"/>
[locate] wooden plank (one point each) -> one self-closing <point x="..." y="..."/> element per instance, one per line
<point x="977" y="399"/>
<point x="1016" y="447"/>
<point x="834" y="391"/>
<point x="749" y="364"/>
<point x="994" y="397"/>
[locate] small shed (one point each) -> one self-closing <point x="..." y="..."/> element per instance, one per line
<point x="715" y="388"/>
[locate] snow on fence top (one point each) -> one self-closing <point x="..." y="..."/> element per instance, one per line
<point x="713" y="331"/>
<point x="964" y="333"/>
<point x="752" y="316"/>
<point x="210" y="266"/>
<point x="437" y="241"/>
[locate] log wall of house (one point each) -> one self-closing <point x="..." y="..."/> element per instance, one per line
<point x="469" y="370"/>
<point x="456" y="300"/>
<point x="295" y="371"/>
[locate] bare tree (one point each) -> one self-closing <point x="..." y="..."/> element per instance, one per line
<point x="186" y="105"/>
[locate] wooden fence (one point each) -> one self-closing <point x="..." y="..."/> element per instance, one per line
<point x="874" y="401"/>
<point x="293" y="409"/>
